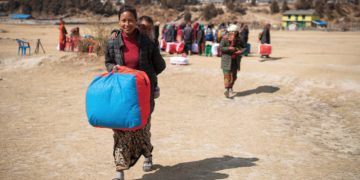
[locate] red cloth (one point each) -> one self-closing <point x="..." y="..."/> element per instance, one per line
<point x="62" y="37"/>
<point x="131" y="51"/>
<point x="179" y="34"/>
<point x="195" y="28"/>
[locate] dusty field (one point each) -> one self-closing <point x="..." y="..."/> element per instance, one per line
<point x="296" y="116"/>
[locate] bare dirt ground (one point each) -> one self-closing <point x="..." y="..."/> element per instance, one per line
<point x="295" y="116"/>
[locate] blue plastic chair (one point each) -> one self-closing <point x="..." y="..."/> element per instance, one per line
<point x="23" y="45"/>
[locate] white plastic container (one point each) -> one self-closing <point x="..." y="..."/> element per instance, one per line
<point x="178" y="60"/>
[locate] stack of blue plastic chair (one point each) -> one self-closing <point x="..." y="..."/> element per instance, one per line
<point x="23" y="45"/>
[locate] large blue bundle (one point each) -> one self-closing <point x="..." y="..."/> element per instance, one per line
<point x="119" y="101"/>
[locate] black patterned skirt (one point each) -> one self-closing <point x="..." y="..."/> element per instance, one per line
<point x="130" y="145"/>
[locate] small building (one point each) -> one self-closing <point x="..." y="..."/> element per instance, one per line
<point x="299" y="19"/>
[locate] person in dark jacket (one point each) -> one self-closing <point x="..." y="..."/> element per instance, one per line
<point x="157" y="30"/>
<point x="231" y="47"/>
<point x="264" y="36"/>
<point x="244" y="31"/>
<point x="134" y="50"/>
<point x="188" y="38"/>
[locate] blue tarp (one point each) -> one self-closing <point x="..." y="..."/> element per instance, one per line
<point x="320" y="23"/>
<point x="20" y="16"/>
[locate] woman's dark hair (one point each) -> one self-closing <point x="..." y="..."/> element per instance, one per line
<point x="147" y="19"/>
<point x="129" y="9"/>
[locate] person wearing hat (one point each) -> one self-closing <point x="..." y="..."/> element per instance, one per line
<point x="231" y="46"/>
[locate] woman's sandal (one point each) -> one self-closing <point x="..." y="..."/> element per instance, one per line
<point x="119" y="176"/>
<point x="147" y="166"/>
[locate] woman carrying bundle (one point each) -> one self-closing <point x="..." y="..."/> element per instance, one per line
<point x="137" y="51"/>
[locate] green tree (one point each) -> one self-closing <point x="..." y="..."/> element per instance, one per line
<point x="328" y="12"/>
<point x="319" y="7"/>
<point x="303" y="4"/>
<point x="284" y="6"/>
<point x="274" y="7"/>
<point x="209" y="11"/>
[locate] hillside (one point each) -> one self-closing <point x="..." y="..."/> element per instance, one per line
<point x="242" y="12"/>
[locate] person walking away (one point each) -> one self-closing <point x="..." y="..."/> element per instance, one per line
<point x="244" y="31"/>
<point x="134" y="50"/>
<point x="231" y="47"/>
<point x="200" y="38"/>
<point x="209" y="39"/>
<point x="62" y="36"/>
<point x="264" y="36"/>
<point x="188" y="38"/>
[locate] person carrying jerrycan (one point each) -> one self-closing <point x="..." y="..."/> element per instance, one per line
<point x="232" y="47"/>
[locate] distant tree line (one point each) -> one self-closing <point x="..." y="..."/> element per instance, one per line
<point x="210" y="11"/>
<point x="176" y="4"/>
<point x="327" y="8"/>
<point x="324" y="8"/>
<point x="58" y="7"/>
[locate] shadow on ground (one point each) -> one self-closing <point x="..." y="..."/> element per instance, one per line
<point x="203" y="169"/>
<point x="270" y="59"/>
<point x="258" y="90"/>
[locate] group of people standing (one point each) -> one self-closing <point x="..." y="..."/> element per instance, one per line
<point x="232" y="39"/>
<point x="64" y="40"/>
<point x="204" y="36"/>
